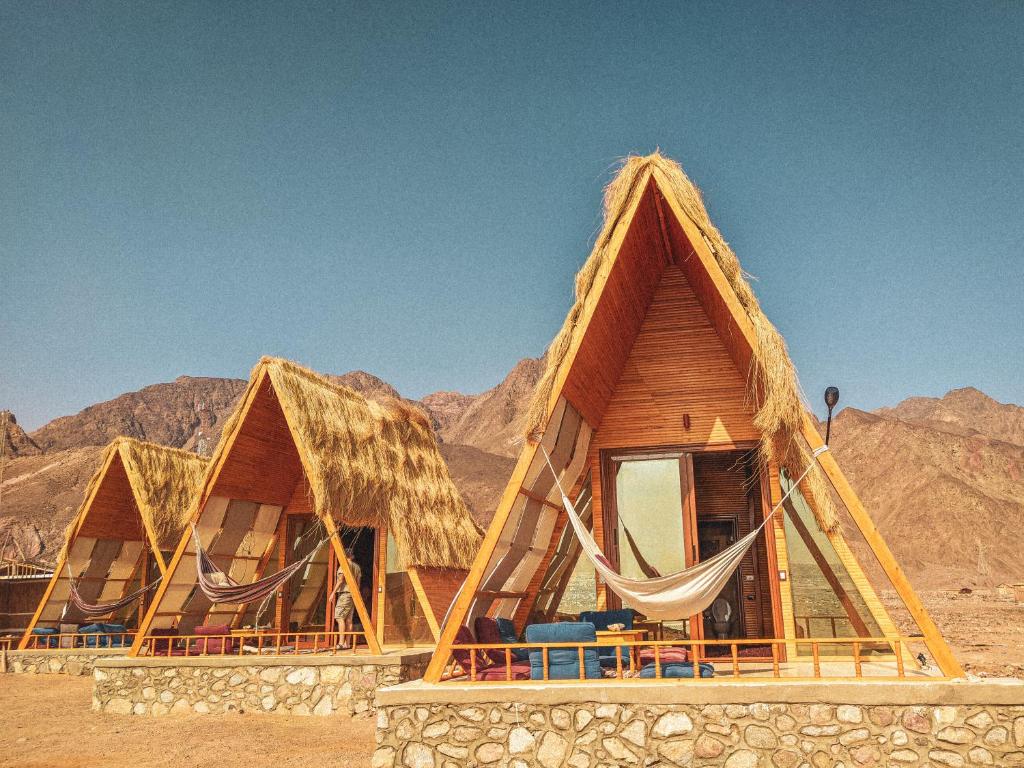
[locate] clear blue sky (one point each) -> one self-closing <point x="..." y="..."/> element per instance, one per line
<point x="185" y="187"/>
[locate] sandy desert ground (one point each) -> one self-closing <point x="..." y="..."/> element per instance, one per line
<point x="47" y="722"/>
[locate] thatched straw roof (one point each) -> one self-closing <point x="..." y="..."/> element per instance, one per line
<point x="165" y="481"/>
<point x="369" y="463"/>
<point x="772" y="383"/>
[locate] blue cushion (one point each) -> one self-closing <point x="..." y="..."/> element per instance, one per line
<point x="115" y="629"/>
<point x="507" y="630"/>
<point x="601" y="620"/>
<point x="563" y="663"/>
<point x="94" y="629"/>
<point x="42" y="631"/>
<point x="678" y="669"/>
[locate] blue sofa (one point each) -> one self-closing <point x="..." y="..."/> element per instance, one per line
<point x="102" y="629"/>
<point x="563" y="663"/>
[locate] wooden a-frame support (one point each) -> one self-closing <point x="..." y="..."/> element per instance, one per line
<point x="216" y="465"/>
<point x="741" y="330"/>
<point x="62" y="560"/>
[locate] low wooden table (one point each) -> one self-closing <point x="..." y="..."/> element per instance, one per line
<point x="618" y="637"/>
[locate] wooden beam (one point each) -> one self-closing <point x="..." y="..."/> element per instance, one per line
<point x="826" y="570"/>
<point x="23" y="643"/>
<point x="508" y="499"/>
<point x="62" y="560"/>
<point x="213" y="472"/>
<point x="539" y="499"/>
<point x="937" y="645"/>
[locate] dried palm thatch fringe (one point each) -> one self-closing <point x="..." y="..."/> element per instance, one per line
<point x="166" y="482"/>
<point x="772" y="382"/>
<point x="368" y="463"/>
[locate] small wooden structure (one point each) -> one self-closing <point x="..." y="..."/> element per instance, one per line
<point x="132" y="514"/>
<point x="671" y="410"/>
<point x="22" y="585"/>
<point x="301" y="459"/>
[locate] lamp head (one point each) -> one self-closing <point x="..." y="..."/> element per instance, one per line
<point x="831" y="397"/>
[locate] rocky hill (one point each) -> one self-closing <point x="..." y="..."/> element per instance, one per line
<point x="944" y="480"/>
<point x="943" y="477"/>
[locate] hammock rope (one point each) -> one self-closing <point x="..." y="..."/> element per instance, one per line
<point x="218" y="587"/>
<point x="676" y="595"/>
<point x="98" y="610"/>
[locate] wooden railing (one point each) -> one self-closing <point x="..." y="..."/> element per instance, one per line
<point x="254" y="642"/>
<point x="65" y="641"/>
<point x="10" y="569"/>
<point x="887" y="657"/>
<point x="8" y="643"/>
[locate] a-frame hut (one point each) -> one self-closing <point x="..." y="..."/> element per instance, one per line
<point x="132" y="516"/>
<point x="304" y="458"/>
<point x="673" y="416"/>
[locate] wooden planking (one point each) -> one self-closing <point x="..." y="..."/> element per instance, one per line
<point x="677" y="366"/>
<point x="617" y="315"/>
<point x="112" y="513"/>
<point x="263" y="463"/>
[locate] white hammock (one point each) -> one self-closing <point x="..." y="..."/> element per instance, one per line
<point x="677" y="595"/>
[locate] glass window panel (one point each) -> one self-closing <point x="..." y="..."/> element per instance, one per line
<point x="404" y="620"/>
<point x="826" y="602"/>
<point x="648" y="497"/>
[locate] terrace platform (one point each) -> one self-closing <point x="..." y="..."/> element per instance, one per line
<point x="295" y="684"/>
<point x="738" y="723"/>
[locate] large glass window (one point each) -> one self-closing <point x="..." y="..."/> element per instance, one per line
<point x="826" y="601"/>
<point x="405" y="623"/>
<point x="649" y="527"/>
<point x="569" y="586"/>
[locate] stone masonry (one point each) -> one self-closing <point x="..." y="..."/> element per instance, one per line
<point x="78" y="662"/>
<point x="307" y="686"/>
<point x="738" y="735"/>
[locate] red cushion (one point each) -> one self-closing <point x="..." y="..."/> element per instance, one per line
<point x="520" y="671"/>
<point x="487" y="634"/>
<point x="212" y="629"/>
<point x="665" y="656"/>
<point x="463" y="637"/>
<point x="215" y="645"/>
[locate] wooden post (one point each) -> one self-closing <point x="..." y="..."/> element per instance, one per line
<point x="940" y="651"/>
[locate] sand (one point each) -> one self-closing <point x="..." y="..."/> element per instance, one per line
<point x="46" y="721"/>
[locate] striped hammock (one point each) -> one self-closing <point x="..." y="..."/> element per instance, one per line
<point x="218" y="587"/>
<point x="98" y="610"/>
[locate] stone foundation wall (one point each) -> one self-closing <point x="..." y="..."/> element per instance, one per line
<point x="55" y="662"/>
<point x="309" y="688"/>
<point x="747" y="735"/>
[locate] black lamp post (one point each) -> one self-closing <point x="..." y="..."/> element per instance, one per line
<point x="831" y="398"/>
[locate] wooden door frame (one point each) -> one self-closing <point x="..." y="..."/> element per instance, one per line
<point x="609" y="514"/>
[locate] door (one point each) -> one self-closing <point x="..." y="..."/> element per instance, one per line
<point x="651" y="523"/>
<point x="662" y="515"/>
<point x="714" y="536"/>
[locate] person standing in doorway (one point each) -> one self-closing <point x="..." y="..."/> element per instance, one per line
<point x="343" y="605"/>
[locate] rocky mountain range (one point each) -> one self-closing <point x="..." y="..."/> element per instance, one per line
<point x="943" y="477"/>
